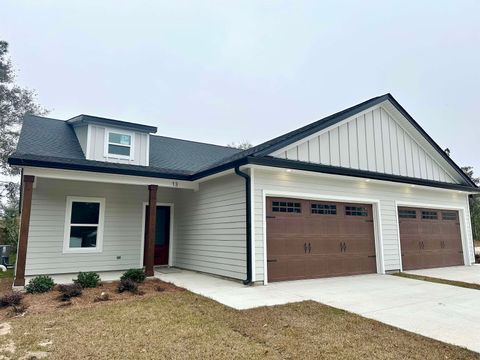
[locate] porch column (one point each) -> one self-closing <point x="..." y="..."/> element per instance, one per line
<point x="151" y="226"/>
<point x="24" y="226"/>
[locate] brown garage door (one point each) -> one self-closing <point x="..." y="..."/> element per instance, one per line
<point x="429" y="238"/>
<point x="310" y="239"/>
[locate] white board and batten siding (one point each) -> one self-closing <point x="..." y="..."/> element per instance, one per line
<point x="96" y="146"/>
<point x="210" y="228"/>
<point x="372" y="141"/>
<point x="122" y="232"/>
<point x="318" y="186"/>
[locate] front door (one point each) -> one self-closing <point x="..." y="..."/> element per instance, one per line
<point x="162" y="234"/>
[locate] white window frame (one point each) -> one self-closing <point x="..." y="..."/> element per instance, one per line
<point x="68" y="215"/>
<point x="120" y="132"/>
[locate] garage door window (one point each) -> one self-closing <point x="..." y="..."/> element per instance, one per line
<point x="324" y="209"/>
<point x="449" y="215"/>
<point x="356" y="211"/>
<point x="286" y="207"/>
<point x="407" y="214"/>
<point x="429" y="215"/>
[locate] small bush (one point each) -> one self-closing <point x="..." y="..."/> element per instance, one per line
<point x="40" y="284"/>
<point x="11" y="299"/>
<point x="137" y="275"/>
<point x="87" y="279"/>
<point x="128" y="285"/>
<point x="69" y="291"/>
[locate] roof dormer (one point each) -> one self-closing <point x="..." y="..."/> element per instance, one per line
<point x="111" y="140"/>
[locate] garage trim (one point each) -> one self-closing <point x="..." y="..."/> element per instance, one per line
<point x="377" y="220"/>
<point x="463" y="225"/>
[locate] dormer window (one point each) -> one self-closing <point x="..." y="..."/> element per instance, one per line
<point x="119" y="144"/>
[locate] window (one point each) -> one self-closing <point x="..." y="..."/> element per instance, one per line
<point x="407" y="214"/>
<point x="449" y="215"/>
<point x="324" y="209"/>
<point x="119" y="144"/>
<point x="286" y="207"/>
<point x="84" y="225"/>
<point x="429" y="215"/>
<point x="356" y="211"/>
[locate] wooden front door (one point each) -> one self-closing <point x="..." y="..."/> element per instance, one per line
<point x="311" y="239"/>
<point x="162" y="234"/>
<point x="429" y="238"/>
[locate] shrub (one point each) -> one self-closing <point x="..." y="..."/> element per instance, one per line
<point x="128" y="285"/>
<point x="87" y="279"/>
<point x="40" y="284"/>
<point x="137" y="275"/>
<point x="11" y="299"/>
<point x="69" y="291"/>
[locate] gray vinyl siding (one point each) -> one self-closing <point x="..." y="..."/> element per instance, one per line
<point x="210" y="228"/>
<point x="386" y="194"/>
<point x="97" y="147"/>
<point x="122" y="227"/>
<point x="82" y="134"/>
<point x="373" y="141"/>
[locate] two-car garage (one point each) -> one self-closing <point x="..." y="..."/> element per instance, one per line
<point x="312" y="238"/>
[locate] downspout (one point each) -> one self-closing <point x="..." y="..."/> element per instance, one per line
<point x="248" y="212"/>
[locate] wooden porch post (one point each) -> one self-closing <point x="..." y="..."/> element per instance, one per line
<point x="24" y="226"/>
<point x="151" y="226"/>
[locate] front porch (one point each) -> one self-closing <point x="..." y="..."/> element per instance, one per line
<point x="75" y="223"/>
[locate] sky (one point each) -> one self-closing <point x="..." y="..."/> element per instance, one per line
<point x="227" y="71"/>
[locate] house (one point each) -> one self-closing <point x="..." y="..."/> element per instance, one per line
<point x="365" y="190"/>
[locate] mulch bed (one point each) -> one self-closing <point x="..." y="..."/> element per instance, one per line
<point x="50" y="301"/>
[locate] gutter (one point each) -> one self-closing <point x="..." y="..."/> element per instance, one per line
<point x="248" y="212"/>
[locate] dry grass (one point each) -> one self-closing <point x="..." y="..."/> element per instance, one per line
<point x="6" y="280"/>
<point x="181" y="325"/>
<point x="438" y="280"/>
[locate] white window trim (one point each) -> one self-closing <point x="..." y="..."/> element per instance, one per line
<point x="106" y="154"/>
<point x="101" y="217"/>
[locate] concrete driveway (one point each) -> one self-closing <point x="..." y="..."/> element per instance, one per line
<point x="446" y="313"/>
<point x="468" y="274"/>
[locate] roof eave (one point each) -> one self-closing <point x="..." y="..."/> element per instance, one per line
<point x="21" y="162"/>
<point x="334" y="170"/>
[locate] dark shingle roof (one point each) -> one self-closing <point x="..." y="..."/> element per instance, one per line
<point x="54" y="141"/>
<point x="185" y="155"/>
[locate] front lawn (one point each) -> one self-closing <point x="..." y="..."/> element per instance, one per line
<point x="182" y="325"/>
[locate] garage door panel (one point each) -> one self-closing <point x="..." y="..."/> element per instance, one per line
<point x="318" y="239"/>
<point x="429" y="239"/>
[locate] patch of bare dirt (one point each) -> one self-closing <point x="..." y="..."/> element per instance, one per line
<point x="105" y="293"/>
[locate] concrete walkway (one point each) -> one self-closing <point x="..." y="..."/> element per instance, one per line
<point x="468" y="274"/>
<point x="446" y="313"/>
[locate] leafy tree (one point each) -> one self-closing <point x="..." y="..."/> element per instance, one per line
<point x="468" y="170"/>
<point x="15" y="102"/>
<point x="242" y="145"/>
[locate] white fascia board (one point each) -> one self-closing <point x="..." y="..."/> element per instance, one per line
<point x="359" y="179"/>
<point x="107" y="178"/>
